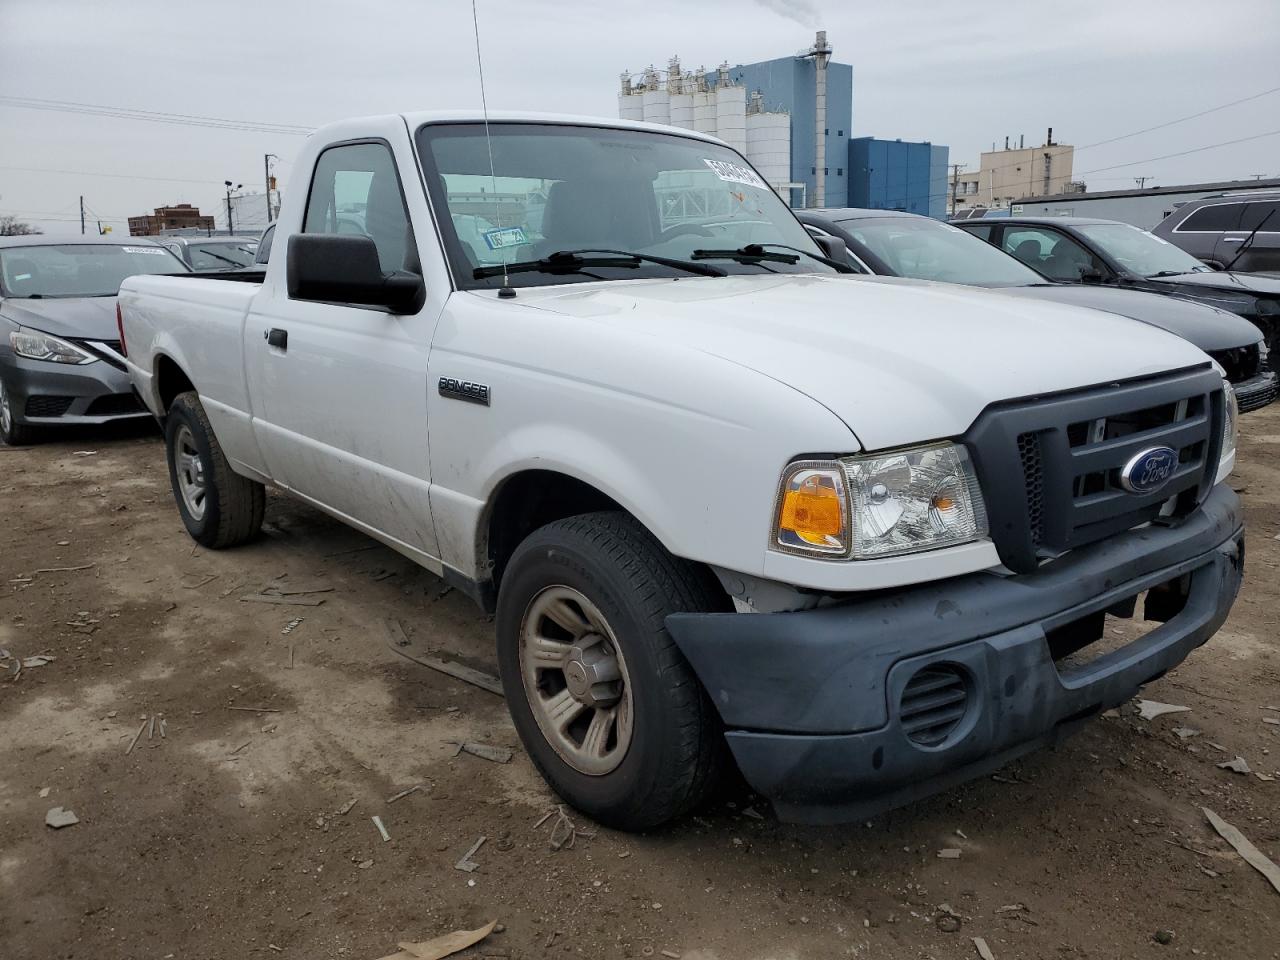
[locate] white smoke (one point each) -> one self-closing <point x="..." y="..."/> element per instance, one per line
<point x="803" y="12"/>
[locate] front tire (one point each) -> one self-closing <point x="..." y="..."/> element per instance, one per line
<point x="607" y="707"/>
<point x="12" y="433"/>
<point x="219" y="507"/>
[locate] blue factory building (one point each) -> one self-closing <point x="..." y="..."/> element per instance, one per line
<point x="790" y="85"/>
<point x="898" y="175"/>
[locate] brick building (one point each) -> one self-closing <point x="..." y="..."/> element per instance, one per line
<point x="183" y="216"/>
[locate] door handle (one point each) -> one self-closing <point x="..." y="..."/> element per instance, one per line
<point x="1234" y="239"/>
<point x="277" y="338"/>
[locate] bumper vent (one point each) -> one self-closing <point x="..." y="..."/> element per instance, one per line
<point x="45" y="406"/>
<point x="933" y="704"/>
<point x="114" y="405"/>
<point x="1033" y="473"/>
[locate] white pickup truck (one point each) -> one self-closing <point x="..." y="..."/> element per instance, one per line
<point x="856" y="536"/>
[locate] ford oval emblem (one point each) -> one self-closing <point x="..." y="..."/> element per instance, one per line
<point x="1149" y="470"/>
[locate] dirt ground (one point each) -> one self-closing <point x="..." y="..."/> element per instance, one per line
<point x="225" y="837"/>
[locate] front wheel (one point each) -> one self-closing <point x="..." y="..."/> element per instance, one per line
<point x="608" y="709"/>
<point x="12" y="433"/>
<point x="219" y="507"/>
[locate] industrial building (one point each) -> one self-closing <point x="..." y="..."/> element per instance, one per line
<point x="181" y="216"/>
<point x="898" y="175"/>
<point x="1007" y="176"/>
<point x="790" y="116"/>
<point x="1142" y="208"/>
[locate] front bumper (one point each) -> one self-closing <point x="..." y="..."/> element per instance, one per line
<point x="813" y="700"/>
<point x="1256" y="392"/>
<point x="43" y="393"/>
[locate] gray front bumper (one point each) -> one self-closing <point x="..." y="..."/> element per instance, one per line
<point x="39" y="392"/>
<point x="811" y="699"/>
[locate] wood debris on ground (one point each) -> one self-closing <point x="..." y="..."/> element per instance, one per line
<point x="442" y="946"/>
<point x="484" y="751"/>
<point x="346" y="807"/>
<point x="983" y="950"/>
<point x="1251" y="854"/>
<point x="1238" y="765"/>
<point x="564" y="832"/>
<point x="1150" y="709"/>
<point x="466" y="864"/>
<point x="404" y="793"/>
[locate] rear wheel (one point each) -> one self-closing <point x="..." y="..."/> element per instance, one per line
<point x="219" y="507"/>
<point x="607" y="707"/>
<point x="11" y="432"/>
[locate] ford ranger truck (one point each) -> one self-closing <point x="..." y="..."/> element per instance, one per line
<point x="728" y="504"/>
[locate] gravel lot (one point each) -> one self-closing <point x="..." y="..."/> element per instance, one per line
<point x="223" y="838"/>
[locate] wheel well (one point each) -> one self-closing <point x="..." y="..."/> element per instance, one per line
<point x="529" y="500"/>
<point x="170" y="381"/>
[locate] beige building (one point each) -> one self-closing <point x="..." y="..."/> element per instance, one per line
<point x="1006" y="176"/>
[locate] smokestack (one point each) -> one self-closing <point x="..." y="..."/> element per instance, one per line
<point x="1022" y="141"/>
<point x="674" y="76"/>
<point x="821" y="53"/>
<point x="1006" y="143"/>
<point x="1048" y="141"/>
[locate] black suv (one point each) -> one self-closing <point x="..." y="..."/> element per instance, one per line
<point x="1239" y="231"/>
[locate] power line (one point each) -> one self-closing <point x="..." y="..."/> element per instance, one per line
<point x="1181" y="153"/>
<point x="155" y="116"/>
<point x="115" y="176"/>
<point x="1170" y="123"/>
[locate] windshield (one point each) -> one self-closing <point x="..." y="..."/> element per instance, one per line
<point x="79" y="270"/>
<point x="222" y="256"/>
<point x="928" y="250"/>
<point x="577" y="188"/>
<point x="1140" y="252"/>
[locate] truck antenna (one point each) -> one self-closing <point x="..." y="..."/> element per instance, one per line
<point x="506" y="291"/>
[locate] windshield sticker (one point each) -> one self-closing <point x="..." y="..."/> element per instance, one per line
<point x="735" y="173"/>
<point x="22" y="276"/>
<point x="506" y="237"/>
<point x="156" y="250"/>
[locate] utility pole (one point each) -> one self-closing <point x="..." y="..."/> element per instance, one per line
<point x="1141" y="181"/>
<point x="266" y="173"/>
<point x="230" y="231"/>
<point x="955" y="185"/>
<point x="82" y="214"/>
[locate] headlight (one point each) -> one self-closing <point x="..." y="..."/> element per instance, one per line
<point x="35" y="345"/>
<point x="884" y="504"/>
<point x="1230" y="427"/>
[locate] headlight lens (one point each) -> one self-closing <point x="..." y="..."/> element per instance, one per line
<point x="35" y="345"/>
<point x="1230" y="423"/>
<point x="904" y="501"/>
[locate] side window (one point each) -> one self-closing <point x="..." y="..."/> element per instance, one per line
<point x="263" y="253"/>
<point x="355" y="190"/>
<point x="1054" y="254"/>
<point x="1265" y="212"/>
<point x="1214" y="218"/>
<point x="982" y="233"/>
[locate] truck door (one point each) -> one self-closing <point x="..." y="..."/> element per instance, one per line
<point x="340" y="389"/>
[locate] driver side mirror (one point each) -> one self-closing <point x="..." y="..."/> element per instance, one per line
<point x="1091" y="275"/>
<point x="1215" y="264"/>
<point x="833" y="248"/>
<point x="338" y="268"/>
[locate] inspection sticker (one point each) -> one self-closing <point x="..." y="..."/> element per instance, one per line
<point x="159" y="251"/>
<point x="735" y="173"/>
<point x="506" y="237"/>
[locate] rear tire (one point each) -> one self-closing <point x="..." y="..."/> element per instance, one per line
<point x="219" y="507"/>
<point x="12" y="433"/>
<point x="613" y="583"/>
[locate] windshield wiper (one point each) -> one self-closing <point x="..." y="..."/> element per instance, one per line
<point x="1166" y="273"/>
<point x="756" y="253"/>
<point x="573" y="261"/>
<point x="1248" y="241"/>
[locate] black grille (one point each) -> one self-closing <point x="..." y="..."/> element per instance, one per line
<point x="95" y="347"/>
<point x="1256" y="399"/>
<point x="114" y="405"/>
<point x="1240" y="363"/>
<point x="1033" y="476"/>
<point x="933" y="703"/>
<point x="48" y="406"/>
<point x="1050" y="466"/>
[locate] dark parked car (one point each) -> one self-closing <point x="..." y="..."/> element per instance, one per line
<point x="893" y="244"/>
<point x="61" y="360"/>
<point x="1239" y="231"/>
<point x="210" y="254"/>
<point x="1107" y="252"/>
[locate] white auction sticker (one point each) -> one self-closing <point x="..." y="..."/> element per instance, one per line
<point x="156" y="250"/>
<point x="735" y="173"/>
<point x="506" y="237"/>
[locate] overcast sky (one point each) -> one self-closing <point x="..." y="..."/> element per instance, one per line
<point x="961" y="74"/>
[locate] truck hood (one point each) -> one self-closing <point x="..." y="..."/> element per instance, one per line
<point x="898" y="361"/>
<point x="1207" y="327"/>
<point x="88" y="318"/>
